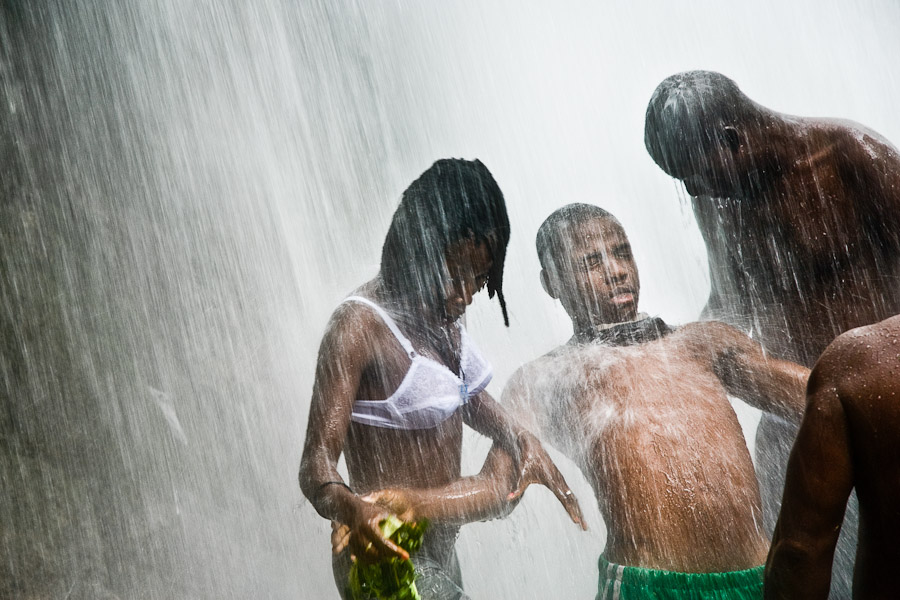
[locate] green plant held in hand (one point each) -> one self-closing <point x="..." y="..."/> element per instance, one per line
<point x="392" y="578"/>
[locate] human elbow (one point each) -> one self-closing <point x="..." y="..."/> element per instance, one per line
<point x="794" y="565"/>
<point x="306" y="477"/>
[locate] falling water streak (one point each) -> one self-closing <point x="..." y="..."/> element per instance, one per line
<point x="189" y="187"/>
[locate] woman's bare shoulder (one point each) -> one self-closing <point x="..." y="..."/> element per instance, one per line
<point x="354" y="328"/>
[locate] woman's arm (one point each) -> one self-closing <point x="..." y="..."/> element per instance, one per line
<point x="479" y="497"/>
<point x="530" y="461"/>
<point x="485" y="415"/>
<point x="343" y="356"/>
<point x="490" y="494"/>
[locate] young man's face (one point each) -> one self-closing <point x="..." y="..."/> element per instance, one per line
<point x="598" y="279"/>
<point x="468" y="266"/>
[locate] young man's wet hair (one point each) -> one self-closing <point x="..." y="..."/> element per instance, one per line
<point x="452" y="201"/>
<point x="554" y="232"/>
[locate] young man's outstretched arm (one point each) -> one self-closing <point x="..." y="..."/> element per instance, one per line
<point x="770" y="384"/>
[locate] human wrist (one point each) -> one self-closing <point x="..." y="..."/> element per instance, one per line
<point x="523" y="437"/>
<point x="414" y="504"/>
<point x="335" y="500"/>
<point x="323" y="486"/>
<point x="523" y="433"/>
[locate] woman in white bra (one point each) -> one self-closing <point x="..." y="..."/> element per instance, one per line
<point x="398" y="376"/>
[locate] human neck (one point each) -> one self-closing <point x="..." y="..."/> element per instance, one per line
<point x="410" y="307"/>
<point x="589" y="328"/>
<point x="641" y="330"/>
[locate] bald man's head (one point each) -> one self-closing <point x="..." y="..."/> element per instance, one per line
<point x="695" y="124"/>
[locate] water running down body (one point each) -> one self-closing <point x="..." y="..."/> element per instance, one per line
<point x="447" y="241"/>
<point x="649" y="422"/>
<point x="801" y="220"/>
<point x="848" y="439"/>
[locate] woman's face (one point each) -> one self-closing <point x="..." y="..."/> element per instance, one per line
<point x="468" y="264"/>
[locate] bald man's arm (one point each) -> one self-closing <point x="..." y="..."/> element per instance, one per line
<point x="819" y="481"/>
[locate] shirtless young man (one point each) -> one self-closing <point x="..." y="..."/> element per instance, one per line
<point x="801" y="219"/>
<point x="848" y="439"/>
<point x="642" y="408"/>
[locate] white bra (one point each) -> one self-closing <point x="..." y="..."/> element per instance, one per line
<point x="430" y="392"/>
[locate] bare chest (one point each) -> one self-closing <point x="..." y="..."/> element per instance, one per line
<point x="654" y="394"/>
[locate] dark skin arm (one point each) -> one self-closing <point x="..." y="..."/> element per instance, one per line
<point x="530" y="461"/>
<point x="518" y="397"/>
<point x="477" y="498"/>
<point x="496" y="490"/>
<point x="480" y="497"/>
<point x="762" y="381"/>
<point x="343" y="355"/>
<point x="819" y="481"/>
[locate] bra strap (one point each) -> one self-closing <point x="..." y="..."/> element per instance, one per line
<point x="404" y="341"/>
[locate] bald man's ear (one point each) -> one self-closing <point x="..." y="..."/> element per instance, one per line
<point x="548" y="285"/>
<point x="732" y="138"/>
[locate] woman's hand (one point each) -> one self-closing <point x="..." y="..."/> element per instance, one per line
<point x="397" y="501"/>
<point x="364" y="535"/>
<point x="534" y="465"/>
<point x="340" y="537"/>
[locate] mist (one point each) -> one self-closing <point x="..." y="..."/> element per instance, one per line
<point x="190" y="188"/>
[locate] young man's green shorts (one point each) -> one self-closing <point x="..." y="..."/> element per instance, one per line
<point x="618" y="582"/>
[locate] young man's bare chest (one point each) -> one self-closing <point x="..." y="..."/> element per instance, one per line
<point x="659" y="389"/>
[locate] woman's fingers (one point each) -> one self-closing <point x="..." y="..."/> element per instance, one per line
<point x="340" y="537"/>
<point x="536" y="466"/>
<point x="570" y="503"/>
<point x="370" y="543"/>
<point x="382" y="546"/>
<point x="553" y="479"/>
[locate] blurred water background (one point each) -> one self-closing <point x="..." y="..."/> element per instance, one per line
<point x="188" y="188"/>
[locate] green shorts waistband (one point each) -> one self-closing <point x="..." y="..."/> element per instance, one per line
<point x="621" y="583"/>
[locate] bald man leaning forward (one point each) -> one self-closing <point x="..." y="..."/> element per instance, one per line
<point x="801" y="219"/>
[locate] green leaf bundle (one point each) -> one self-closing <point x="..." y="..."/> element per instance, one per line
<point x="392" y="578"/>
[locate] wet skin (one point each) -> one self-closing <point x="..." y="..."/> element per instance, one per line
<point x="848" y="439"/>
<point x="811" y="250"/>
<point x="801" y="219"/>
<point x="650" y="425"/>
<point x="602" y="280"/>
<point x="361" y="359"/>
<point x="653" y="431"/>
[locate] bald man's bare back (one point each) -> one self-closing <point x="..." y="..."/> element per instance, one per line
<point x="801" y="219"/>
<point x="816" y="252"/>
<point x="849" y="438"/>
<point x="651" y="427"/>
